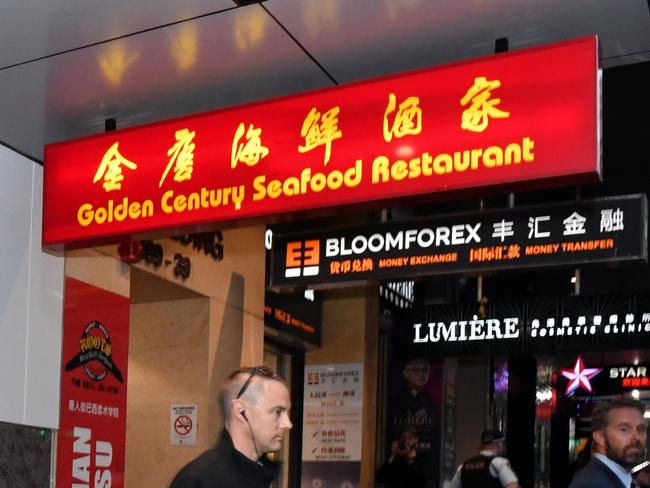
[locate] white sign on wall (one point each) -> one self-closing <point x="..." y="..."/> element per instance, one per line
<point x="182" y="429"/>
<point x="332" y="412"/>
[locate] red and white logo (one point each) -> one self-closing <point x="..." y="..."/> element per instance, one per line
<point x="579" y="376"/>
<point x="303" y="258"/>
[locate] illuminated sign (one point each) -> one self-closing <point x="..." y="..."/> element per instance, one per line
<point x="467" y="330"/>
<point x="521" y="116"/>
<point x="608" y="229"/>
<point x="538" y="325"/>
<point x="614" y="380"/>
<point x="628" y="372"/>
<point x="292" y="318"/>
<point x="630" y="376"/>
<point x="579" y="376"/>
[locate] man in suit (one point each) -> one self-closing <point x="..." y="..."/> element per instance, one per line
<point x="619" y="436"/>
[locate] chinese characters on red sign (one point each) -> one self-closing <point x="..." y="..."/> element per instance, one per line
<point x="465" y="125"/>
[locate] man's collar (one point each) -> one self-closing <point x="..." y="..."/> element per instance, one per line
<point x="270" y="467"/>
<point x="622" y="473"/>
<point x="487" y="453"/>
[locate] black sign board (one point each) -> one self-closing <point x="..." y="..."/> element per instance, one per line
<point x="538" y="326"/>
<point x="296" y="320"/>
<point x="607" y="229"/>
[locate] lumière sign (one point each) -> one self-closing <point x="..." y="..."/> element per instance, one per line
<point x="536" y="325"/>
<point x="465" y="125"/>
<point x="467" y="330"/>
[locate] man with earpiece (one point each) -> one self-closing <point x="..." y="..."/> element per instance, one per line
<point x="255" y="403"/>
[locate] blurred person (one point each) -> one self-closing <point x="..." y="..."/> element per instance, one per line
<point x="619" y="437"/>
<point x="403" y="468"/>
<point x="255" y="404"/>
<point x="583" y="457"/>
<point x="489" y="469"/>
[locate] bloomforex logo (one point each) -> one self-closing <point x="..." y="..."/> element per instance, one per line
<point x="303" y="258"/>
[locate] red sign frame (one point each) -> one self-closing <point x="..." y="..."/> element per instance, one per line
<point x="526" y="115"/>
<point x="92" y="431"/>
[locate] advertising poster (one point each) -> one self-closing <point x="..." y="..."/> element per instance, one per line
<point x="332" y="425"/>
<point x="91" y="437"/>
<point x="414" y="404"/>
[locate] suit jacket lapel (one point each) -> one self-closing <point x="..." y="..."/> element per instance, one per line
<point x="610" y="474"/>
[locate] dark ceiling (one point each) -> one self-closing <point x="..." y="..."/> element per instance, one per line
<point x="66" y="66"/>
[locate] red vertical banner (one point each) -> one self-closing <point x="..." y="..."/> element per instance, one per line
<point x="92" y="431"/>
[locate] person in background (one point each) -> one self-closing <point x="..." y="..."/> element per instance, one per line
<point x="583" y="457"/>
<point x="255" y="403"/>
<point x="403" y="469"/>
<point x="489" y="469"/>
<point x="619" y="436"/>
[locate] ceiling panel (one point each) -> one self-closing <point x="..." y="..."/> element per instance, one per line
<point x="35" y="28"/>
<point x="223" y="60"/>
<point x="241" y="54"/>
<point x="361" y="38"/>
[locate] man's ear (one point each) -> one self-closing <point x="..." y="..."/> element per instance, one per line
<point x="239" y="409"/>
<point x="599" y="439"/>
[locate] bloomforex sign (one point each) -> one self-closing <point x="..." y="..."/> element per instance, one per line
<point x="491" y="121"/>
<point x="608" y="229"/>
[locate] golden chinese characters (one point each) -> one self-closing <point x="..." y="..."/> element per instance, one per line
<point x="407" y="120"/>
<point x="111" y="168"/>
<point x="182" y="157"/>
<point x="316" y="134"/>
<point x="476" y="117"/>
<point x="249" y="152"/>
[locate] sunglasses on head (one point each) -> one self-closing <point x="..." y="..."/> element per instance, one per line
<point x="257" y="370"/>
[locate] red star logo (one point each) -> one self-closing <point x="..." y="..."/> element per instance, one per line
<point x="579" y="376"/>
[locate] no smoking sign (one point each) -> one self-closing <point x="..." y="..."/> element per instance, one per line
<point x="183" y="425"/>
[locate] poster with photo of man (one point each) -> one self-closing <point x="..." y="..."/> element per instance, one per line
<point x="414" y="393"/>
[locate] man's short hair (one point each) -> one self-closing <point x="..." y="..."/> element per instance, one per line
<point x="492" y="436"/>
<point x="418" y="360"/>
<point x="241" y="383"/>
<point x="410" y="431"/>
<point x="600" y="414"/>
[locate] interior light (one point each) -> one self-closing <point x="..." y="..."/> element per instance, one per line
<point x="635" y="394"/>
<point x="646" y="414"/>
<point x="573" y="279"/>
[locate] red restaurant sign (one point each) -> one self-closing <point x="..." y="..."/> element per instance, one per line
<point x="521" y="116"/>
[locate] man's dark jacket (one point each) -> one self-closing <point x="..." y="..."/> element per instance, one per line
<point x="596" y="474"/>
<point x="401" y="474"/>
<point x="225" y="467"/>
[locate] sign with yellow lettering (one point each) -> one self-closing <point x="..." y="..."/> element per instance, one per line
<point x="528" y="115"/>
